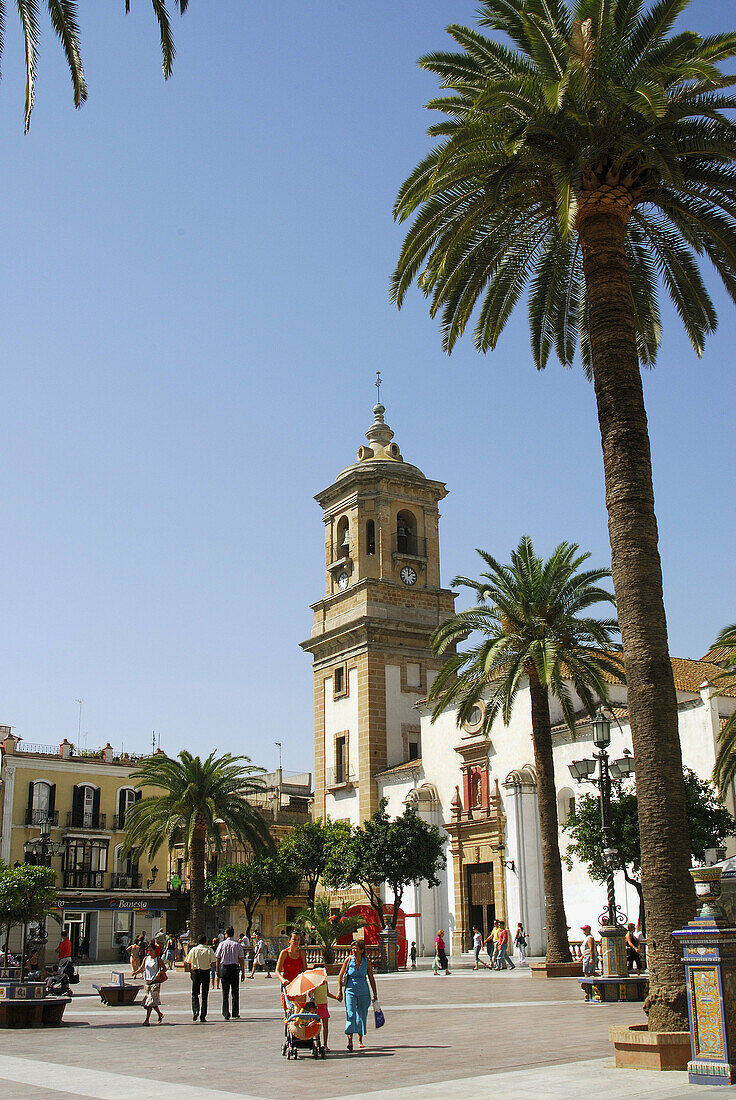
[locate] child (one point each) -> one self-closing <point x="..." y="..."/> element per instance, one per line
<point x="413" y="955"/>
<point x="319" y="996"/>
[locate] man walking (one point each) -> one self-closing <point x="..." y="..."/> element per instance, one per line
<point x="229" y="958"/>
<point x="259" y="955"/>
<point x="503" y="959"/>
<point x="198" y="963"/>
<point x="492" y="945"/>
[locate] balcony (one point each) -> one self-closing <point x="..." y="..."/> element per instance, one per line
<point x="76" y="820"/>
<point x="41" y="817"/>
<point x="122" y="880"/>
<point x="118" y="823"/>
<point x="84" y="880"/>
<point x="339" y="777"/>
<point x="409" y="546"/>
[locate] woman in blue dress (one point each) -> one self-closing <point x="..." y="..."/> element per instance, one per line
<point x="354" y="977"/>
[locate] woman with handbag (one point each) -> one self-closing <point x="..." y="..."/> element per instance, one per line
<point x="154" y="973"/>
<point x="354" y="976"/>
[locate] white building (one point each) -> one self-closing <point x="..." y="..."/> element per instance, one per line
<point x="374" y="737"/>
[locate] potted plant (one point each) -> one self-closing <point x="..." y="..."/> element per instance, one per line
<point x="328" y="927"/>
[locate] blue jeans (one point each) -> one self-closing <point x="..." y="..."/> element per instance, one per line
<point x="503" y="958"/>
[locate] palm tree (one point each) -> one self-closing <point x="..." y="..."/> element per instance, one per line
<point x="328" y="927"/>
<point x="202" y="800"/>
<point x="592" y="159"/>
<point x="724" y="654"/>
<point x="531" y="619"/>
<point x="63" y="15"/>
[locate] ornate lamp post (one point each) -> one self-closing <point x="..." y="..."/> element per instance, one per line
<point x="43" y="847"/>
<point x="614" y="954"/>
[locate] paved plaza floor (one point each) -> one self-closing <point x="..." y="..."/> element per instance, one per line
<point x="472" y="1034"/>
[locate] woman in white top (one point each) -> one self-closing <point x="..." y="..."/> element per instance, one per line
<point x="153" y="970"/>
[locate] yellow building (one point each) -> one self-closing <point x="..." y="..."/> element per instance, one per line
<point x="78" y="802"/>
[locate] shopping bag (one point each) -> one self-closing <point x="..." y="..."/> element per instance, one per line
<point x="378" y="1016"/>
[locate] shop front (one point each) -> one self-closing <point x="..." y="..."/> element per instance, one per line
<point x="101" y="929"/>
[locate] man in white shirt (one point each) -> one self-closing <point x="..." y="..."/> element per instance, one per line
<point x="228" y="958"/>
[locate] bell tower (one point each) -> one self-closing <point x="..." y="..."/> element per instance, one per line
<point x="370" y="640"/>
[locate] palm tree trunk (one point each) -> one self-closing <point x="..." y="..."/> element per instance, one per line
<point x="558" y="947"/>
<point x="196" y="886"/>
<point x="637" y="579"/>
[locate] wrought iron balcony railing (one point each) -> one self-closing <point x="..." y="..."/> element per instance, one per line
<point x="77" y="820"/>
<point x="409" y="545"/>
<point x="84" y="880"/>
<point x="121" y="880"/>
<point x="41" y="817"/>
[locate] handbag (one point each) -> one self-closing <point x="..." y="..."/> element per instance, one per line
<point x="162" y="976"/>
<point x="378" y="1015"/>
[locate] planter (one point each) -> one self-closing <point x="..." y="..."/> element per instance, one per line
<point x="638" y="1048"/>
<point x="546" y="969"/>
<point x="332" y="968"/>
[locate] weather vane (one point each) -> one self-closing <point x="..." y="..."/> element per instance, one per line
<point x="378" y="385"/>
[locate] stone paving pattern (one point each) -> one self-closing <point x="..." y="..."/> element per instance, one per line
<point x="469" y="1035"/>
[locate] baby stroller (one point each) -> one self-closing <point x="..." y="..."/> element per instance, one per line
<point x="302" y="1029"/>
<point x="58" y="983"/>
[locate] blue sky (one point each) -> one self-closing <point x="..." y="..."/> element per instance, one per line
<point x="194" y="305"/>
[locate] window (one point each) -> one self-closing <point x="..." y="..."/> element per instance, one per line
<point x="41" y="797"/>
<point x="343" y="538"/>
<point x="127" y="797"/>
<point x="341" y="757"/>
<point x="85" y="807"/>
<point x="85" y="862"/>
<point x="370" y="537"/>
<point x="122" y="927"/>
<point x="413" y="675"/>
<point x="475" y="789"/>
<point x="413" y="750"/>
<point x="339" y="681"/>
<point x="406" y="535"/>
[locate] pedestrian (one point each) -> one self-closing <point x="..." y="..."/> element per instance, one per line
<point x="355" y="974"/>
<point x="154" y="973"/>
<point x="413" y="954"/>
<point x="589" y="952"/>
<point x="170" y="951"/>
<point x="84" y="947"/>
<point x="244" y="941"/>
<point x="520" y="943"/>
<point x="64" y="950"/>
<point x="259" y="955"/>
<point x="477" y="944"/>
<point x="633" y="958"/>
<point x="230" y="958"/>
<point x="199" y="962"/>
<point x="441" y="953"/>
<point x="492" y="944"/>
<point x="290" y="962"/>
<point x="134" y="954"/>
<point x="214" y="976"/>
<point x="503" y="959"/>
<point x="319" y="996"/>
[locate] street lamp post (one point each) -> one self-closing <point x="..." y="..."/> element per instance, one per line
<point x="584" y="771"/>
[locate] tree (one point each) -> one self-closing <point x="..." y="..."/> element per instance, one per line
<point x="201" y="801"/>
<point x="397" y="851"/>
<point x="532" y="624"/>
<point x="63" y="15"/>
<point x="328" y="927"/>
<point x="247" y="883"/>
<point x="724" y="771"/>
<point x="307" y="849"/>
<point x="27" y="894"/>
<point x="591" y="160"/>
<point x="710" y="825"/>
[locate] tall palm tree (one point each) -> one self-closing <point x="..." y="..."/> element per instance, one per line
<point x="531" y="619"/>
<point x="63" y="15"/>
<point x="201" y="802"/>
<point x="591" y="159"/>
<point x="724" y="772"/>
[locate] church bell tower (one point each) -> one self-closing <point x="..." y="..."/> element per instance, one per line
<point x="370" y="640"/>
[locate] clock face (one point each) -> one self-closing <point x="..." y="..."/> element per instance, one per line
<point x="342" y="581"/>
<point x="408" y="575"/>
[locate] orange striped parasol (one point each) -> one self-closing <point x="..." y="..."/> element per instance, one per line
<point x="304" y="983"/>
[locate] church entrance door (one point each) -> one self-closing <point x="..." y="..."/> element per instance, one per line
<point x="480" y="897"/>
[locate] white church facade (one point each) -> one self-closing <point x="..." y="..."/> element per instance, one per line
<point x="374" y="737"/>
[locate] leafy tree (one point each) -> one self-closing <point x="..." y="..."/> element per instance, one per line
<point x="724" y="772"/>
<point x="307" y="849"/>
<point x="27" y="894"/>
<point x="199" y="799"/>
<point x="247" y="883"/>
<point x="590" y="160"/>
<point x="328" y="927"/>
<point x="397" y="851"/>
<point x="532" y="624"/>
<point x="710" y="825"/>
<point x="63" y="15"/>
